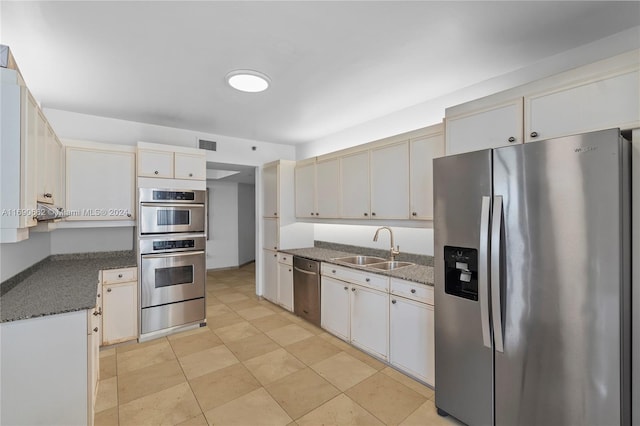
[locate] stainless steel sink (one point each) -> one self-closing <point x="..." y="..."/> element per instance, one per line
<point x="389" y="265"/>
<point x="360" y="260"/>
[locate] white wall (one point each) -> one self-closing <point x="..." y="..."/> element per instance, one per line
<point x="16" y="257"/>
<point x="432" y="112"/>
<point x="246" y="223"/>
<point x="410" y="240"/>
<point x="222" y="246"/>
<point x="82" y="240"/>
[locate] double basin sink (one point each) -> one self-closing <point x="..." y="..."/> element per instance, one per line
<point x="373" y="262"/>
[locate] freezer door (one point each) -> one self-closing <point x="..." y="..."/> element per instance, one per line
<point x="563" y="283"/>
<point x="464" y="359"/>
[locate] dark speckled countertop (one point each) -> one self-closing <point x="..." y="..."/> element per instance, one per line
<point x="58" y="284"/>
<point x="418" y="273"/>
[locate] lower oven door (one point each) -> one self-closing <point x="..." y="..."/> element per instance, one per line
<point x="172" y="277"/>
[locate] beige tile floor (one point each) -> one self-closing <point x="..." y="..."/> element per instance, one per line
<point x="254" y="364"/>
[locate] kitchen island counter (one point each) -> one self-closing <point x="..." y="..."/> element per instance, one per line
<point x="421" y="274"/>
<point x="58" y="284"/>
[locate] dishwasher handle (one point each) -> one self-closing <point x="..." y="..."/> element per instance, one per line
<point x="304" y="272"/>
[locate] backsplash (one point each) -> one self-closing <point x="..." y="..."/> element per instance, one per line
<point x="419" y="259"/>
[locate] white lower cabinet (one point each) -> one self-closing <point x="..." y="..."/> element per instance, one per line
<point x="120" y="312"/>
<point x="411" y="338"/>
<point x="370" y="320"/>
<point x="334" y="306"/>
<point x="270" y="290"/>
<point x="285" y="282"/>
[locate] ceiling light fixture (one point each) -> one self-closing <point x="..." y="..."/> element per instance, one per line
<point x="248" y="80"/>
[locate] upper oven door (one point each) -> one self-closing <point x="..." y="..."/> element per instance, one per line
<point x="157" y="218"/>
<point x="172" y="277"/>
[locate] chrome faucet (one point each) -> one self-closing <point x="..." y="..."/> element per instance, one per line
<point x="393" y="251"/>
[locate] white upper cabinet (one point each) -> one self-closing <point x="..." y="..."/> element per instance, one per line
<point x="592" y="105"/>
<point x="270" y="190"/>
<point x="100" y="181"/>
<point x="327" y="188"/>
<point x="390" y="181"/>
<point x="305" y="189"/>
<point x="422" y="152"/>
<point x="187" y="166"/>
<point x="354" y="185"/>
<point x="155" y="163"/>
<point x="492" y="127"/>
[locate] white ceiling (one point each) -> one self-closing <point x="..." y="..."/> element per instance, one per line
<point x="333" y="65"/>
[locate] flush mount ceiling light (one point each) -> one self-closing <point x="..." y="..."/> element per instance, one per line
<point x="248" y="80"/>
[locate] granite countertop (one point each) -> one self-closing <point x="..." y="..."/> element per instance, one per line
<point x="416" y="273"/>
<point x="58" y="284"/>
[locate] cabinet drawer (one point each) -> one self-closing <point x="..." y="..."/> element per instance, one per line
<point x="119" y="275"/>
<point x="367" y="279"/>
<point x="285" y="258"/>
<point x="414" y="291"/>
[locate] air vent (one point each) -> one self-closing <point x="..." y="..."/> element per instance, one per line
<point x="208" y="145"/>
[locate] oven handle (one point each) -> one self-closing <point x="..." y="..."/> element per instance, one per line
<point x="182" y="253"/>
<point x="163" y="205"/>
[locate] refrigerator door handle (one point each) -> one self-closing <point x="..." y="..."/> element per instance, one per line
<point x="496" y="307"/>
<point x="483" y="270"/>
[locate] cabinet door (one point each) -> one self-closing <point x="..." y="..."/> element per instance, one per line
<point x="29" y="158"/>
<point x="305" y="190"/>
<point x="41" y="163"/>
<point x="327" y="188"/>
<point x="390" y="182"/>
<point x="411" y="338"/>
<point x="354" y="185"/>
<point x="270" y="234"/>
<point x="285" y="286"/>
<point x="370" y="320"/>
<point x="53" y="164"/>
<point x="334" y="307"/>
<point x="270" y="290"/>
<point x="490" y="128"/>
<point x="155" y="163"/>
<point x="100" y="184"/>
<point x="119" y="312"/>
<point x="422" y="152"/>
<point x="595" y="105"/>
<point x="270" y="191"/>
<point x="189" y="166"/>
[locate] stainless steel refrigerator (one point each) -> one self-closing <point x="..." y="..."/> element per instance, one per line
<point x="532" y="293"/>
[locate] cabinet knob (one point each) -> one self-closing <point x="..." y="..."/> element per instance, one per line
<point x="317" y="214"/>
<point x="414" y="214"/>
<point x="119" y="275"/>
<point x="95" y="329"/>
<point x="108" y="290"/>
<point x="98" y="312"/>
<point x="190" y="174"/>
<point x="346" y="288"/>
<point x="511" y="139"/>
<point x="353" y="289"/>
<point x="368" y="279"/>
<point x="275" y="255"/>
<point x="155" y="172"/>
<point x="333" y="271"/>
<point x="128" y="214"/>
<point x="413" y="290"/>
<point x="366" y="214"/>
<point x="275" y="248"/>
<point x="373" y="213"/>
<point x="393" y="301"/>
<point x="275" y="213"/>
<point x="47" y="195"/>
<point x="289" y="269"/>
<point x="312" y="213"/>
<point x="534" y="134"/>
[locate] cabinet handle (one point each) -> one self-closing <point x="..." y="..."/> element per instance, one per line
<point x="190" y="174"/>
<point x="346" y="288"/>
<point x="156" y="172"/>
<point x="393" y="301"/>
<point x="414" y="214"/>
<point x="353" y="289"/>
<point x="367" y="279"/>
<point x="511" y="139"/>
<point x="373" y="213"/>
<point x="108" y="290"/>
<point x="366" y="214"/>
<point x="95" y="329"/>
<point x="534" y="134"/>
<point x="413" y="290"/>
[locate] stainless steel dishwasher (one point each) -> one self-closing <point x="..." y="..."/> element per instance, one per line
<point x="306" y="289"/>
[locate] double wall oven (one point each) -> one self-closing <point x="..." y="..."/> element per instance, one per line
<point x="172" y="245"/>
